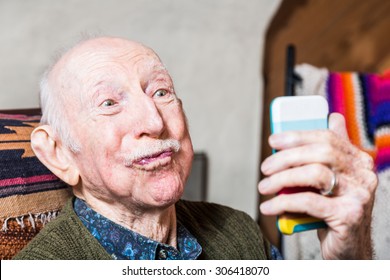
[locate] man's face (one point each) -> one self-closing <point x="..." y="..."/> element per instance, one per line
<point x="128" y="121"/>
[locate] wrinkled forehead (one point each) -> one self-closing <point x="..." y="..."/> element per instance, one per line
<point x="106" y="61"/>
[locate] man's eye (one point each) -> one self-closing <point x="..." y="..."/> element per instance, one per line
<point x="108" y="103"/>
<point x="160" y="93"/>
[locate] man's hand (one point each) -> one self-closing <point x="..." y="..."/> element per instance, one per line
<point x="312" y="158"/>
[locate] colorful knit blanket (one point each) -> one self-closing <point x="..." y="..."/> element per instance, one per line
<point x="363" y="99"/>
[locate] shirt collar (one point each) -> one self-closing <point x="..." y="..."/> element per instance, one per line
<point x="122" y="243"/>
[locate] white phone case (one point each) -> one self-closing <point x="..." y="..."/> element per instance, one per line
<point x="298" y="113"/>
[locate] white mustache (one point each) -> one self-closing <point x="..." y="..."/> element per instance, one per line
<point x="157" y="147"/>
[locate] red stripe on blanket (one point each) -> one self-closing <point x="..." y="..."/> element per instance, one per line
<point x="28" y="180"/>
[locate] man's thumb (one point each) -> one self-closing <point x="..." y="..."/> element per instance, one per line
<point x="337" y="124"/>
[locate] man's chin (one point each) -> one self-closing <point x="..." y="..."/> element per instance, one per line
<point x="162" y="188"/>
<point x="167" y="200"/>
<point x="158" y="204"/>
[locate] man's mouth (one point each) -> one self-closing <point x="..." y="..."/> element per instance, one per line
<point x="152" y="158"/>
<point x="155" y="155"/>
<point x="154" y="161"/>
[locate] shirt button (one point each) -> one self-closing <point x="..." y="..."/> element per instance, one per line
<point x="162" y="255"/>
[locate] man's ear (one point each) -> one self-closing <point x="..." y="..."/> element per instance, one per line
<point x="54" y="155"/>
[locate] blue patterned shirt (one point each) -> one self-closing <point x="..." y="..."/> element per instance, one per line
<point x="124" y="244"/>
<point x="275" y="254"/>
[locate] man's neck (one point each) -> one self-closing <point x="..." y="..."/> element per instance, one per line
<point x="156" y="224"/>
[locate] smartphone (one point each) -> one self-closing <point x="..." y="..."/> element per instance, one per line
<point x="293" y="113"/>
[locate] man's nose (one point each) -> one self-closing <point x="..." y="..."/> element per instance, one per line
<point x="149" y="119"/>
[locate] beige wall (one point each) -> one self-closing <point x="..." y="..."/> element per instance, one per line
<point x="213" y="50"/>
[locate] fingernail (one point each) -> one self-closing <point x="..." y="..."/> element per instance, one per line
<point x="266" y="165"/>
<point x="280" y="139"/>
<point x="275" y="140"/>
<point x="265" y="207"/>
<point x="264" y="184"/>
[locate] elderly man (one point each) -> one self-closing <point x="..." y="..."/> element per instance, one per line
<point x="114" y="129"/>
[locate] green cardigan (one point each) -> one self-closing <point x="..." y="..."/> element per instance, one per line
<point x="223" y="233"/>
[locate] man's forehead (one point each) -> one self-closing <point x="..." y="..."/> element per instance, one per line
<point x="110" y="51"/>
<point x="108" y="44"/>
<point x="103" y="58"/>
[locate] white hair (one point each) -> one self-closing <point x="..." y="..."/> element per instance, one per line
<point x="52" y="98"/>
<point x="53" y="112"/>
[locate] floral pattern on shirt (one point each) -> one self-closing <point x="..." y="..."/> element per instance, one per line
<point x="124" y="244"/>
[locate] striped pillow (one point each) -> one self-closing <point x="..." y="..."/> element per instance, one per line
<point x="30" y="195"/>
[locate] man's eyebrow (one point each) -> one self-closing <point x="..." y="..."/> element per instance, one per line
<point x="96" y="89"/>
<point x="161" y="75"/>
<point x="161" y="79"/>
<point x="102" y="86"/>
